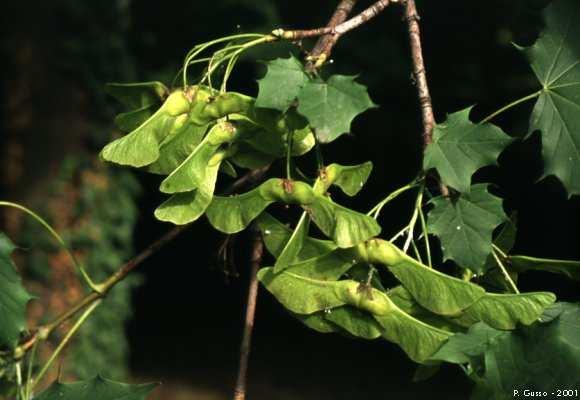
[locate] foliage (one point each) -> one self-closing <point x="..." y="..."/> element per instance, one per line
<point x="98" y="224"/>
<point x="97" y="388"/>
<point x="189" y="136"/>
<point x="540" y="358"/>
<point x="13" y="297"/>
<point x="555" y="59"/>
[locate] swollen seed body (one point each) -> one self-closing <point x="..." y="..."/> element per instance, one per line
<point x="228" y="103"/>
<point x="177" y="104"/>
<point x="288" y="191"/>
<point x="383" y="252"/>
<point x="179" y="123"/>
<point x="223" y="132"/>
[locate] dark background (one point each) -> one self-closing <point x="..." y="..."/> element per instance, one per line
<point x="188" y="314"/>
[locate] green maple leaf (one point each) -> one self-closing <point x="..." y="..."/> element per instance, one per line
<point x="541" y="357"/>
<point x="281" y="84"/>
<point x="555" y="59"/>
<point x="96" y="389"/>
<point x="13" y="297"/>
<point x="460" y="148"/>
<point x="465" y="226"/>
<point x="331" y="106"/>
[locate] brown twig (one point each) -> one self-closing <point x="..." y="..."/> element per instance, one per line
<point x="420" y="75"/>
<point x="257" y="251"/>
<point x="44" y="331"/>
<point x="326" y="42"/>
<point x="335" y="29"/>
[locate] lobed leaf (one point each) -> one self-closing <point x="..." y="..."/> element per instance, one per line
<point x="460" y="148"/>
<point x="331" y="106"/>
<point x="98" y="388"/>
<point x="279" y="88"/>
<point x="541" y="357"/>
<point x="555" y="59"/>
<point x="465" y="226"/>
<point x="13" y="297"/>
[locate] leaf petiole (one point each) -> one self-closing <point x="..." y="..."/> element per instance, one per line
<point x="376" y="210"/>
<point x="510" y="105"/>
<point x="56" y="236"/>
<point x="64" y="342"/>
<point x="504" y="271"/>
<point x="425" y="236"/>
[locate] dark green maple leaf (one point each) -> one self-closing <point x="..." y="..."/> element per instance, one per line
<point x="555" y="59"/>
<point x="465" y="226"/>
<point x="13" y="297"/>
<point x="541" y="357"/>
<point x="96" y="389"/>
<point x="460" y="148"/>
<point x="282" y="83"/>
<point x="331" y="106"/>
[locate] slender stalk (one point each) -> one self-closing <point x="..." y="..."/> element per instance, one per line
<point x="55" y="235"/>
<point x="425" y="236"/>
<point x="505" y="273"/>
<point x="289" y="156"/>
<point x="376" y="210"/>
<point x="42" y="332"/>
<point x="257" y="252"/>
<point x="64" y="342"/>
<point x="416" y="251"/>
<point x="200" y="48"/>
<point x="413" y="221"/>
<point x="499" y="250"/>
<point x="235" y="54"/>
<point x="319" y="157"/>
<point x="399" y="234"/>
<point x="31" y="358"/>
<point x="510" y="105"/>
<point x="19" y="381"/>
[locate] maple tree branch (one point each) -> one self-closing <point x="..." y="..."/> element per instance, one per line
<point x="42" y="332"/>
<point x="335" y="29"/>
<point x="326" y="42"/>
<point x="245" y="348"/>
<point x="420" y="74"/>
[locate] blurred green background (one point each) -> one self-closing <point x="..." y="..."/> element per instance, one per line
<point x="180" y="321"/>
